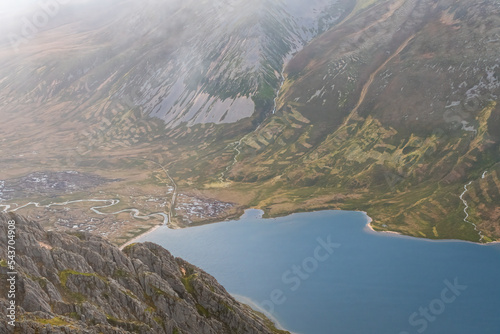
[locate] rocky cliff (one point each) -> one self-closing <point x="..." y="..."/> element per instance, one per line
<point x="83" y="284"/>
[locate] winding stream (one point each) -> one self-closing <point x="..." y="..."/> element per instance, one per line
<point x="112" y="202"/>
<point x="466" y="189"/>
<point x="222" y="177"/>
<point x="167" y="218"/>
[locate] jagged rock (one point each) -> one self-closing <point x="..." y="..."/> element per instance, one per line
<point x="84" y="284"/>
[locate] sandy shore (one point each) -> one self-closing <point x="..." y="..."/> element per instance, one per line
<point x="131" y="241"/>
<point x="369" y="228"/>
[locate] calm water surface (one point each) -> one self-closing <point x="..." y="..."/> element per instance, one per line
<point x="325" y="273"/>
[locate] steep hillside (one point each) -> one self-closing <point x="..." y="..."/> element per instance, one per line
<point x="393" y="111"/>
<point x="184" y="62"/>
<point x="82" y="284"/>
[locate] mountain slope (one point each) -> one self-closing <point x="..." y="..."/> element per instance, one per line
<point x="82" y="284"/>
<point x="183" y="62"/>
<point x="103" y="86"/>
<point x="393" y="111"/>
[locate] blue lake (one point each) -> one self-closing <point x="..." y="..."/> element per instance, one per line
<point x="327" y="273"/>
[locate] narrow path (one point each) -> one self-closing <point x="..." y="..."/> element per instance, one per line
<point x="282" y="82"/>
<point x="367" y="85"/>
<point x="174" y="195"/>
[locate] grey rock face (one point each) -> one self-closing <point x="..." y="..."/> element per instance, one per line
<point x="84" y="284"/>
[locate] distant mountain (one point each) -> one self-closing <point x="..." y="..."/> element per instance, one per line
<point x="181" y="61"/>
<point x="387" y="106"/>
<point x="82" y="284"/>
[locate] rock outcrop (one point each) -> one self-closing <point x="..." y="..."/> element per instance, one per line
<point x="81" y="283"/>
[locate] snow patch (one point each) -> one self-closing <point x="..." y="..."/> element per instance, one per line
<point x="466" y="127"/>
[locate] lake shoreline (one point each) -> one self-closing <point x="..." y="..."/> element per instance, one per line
<point x="258" y="258"/>
<point x="140" y="236"/>
<point x="369" y="229"/>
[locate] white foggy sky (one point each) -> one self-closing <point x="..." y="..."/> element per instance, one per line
<point x="12" y="6"/>
<point x="15" y="3"/>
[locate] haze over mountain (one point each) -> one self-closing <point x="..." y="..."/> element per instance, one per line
<point x="387" y="106"/>
<point x="184" y="62"/>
